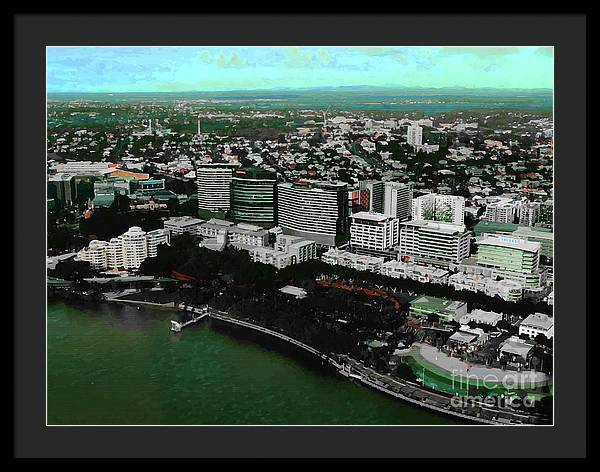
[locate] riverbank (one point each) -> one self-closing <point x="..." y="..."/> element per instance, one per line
<point x="417" y="394"/>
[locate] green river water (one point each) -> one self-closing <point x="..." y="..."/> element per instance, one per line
<point x="117" y="365"/>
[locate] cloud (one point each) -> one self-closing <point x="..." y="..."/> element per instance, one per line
<point x="324" y="56"/>
<point x="233" y="60"/>
<point x="295" y="57"/>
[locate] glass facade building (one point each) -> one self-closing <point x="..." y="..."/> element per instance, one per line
<point x="253" y="196"/>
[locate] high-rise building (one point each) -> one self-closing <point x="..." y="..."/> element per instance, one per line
<point x="135" y="247"/>
<point x="374" y="231"/>
<point x="397" y="200"/>
<point x="501" y="210"/>
<point x="512" y="258"/>
<point x="432" y="242"/>
<point x="442" y="208"/>
<point x="376" y="193"/>
<point x="358" y="200"/>
<point x="115" y="253"/>
<point x="127" y="251"/>
<point x="214" y="185"/>
<point x="253" y="193"/>
<point x="154" y="238"/>
<point x="529" y="213"/>
<point x="414" y="135"/>
<point x="547" y="212"/>
<point x="314" y="210"/>
<point x="63" y="187"/>
<point x="95" y="254"/>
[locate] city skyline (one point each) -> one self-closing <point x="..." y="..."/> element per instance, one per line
<point x="183" y="69"/>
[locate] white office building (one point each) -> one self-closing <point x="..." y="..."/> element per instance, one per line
<point x="313" y="210"/>
<point x="247" y="234"/>
<point x="182" y="224"/>
<point x="288" y="250"/>
<point x="214" y="185"/>
<point x="214" y="227"/>
<point x="501" y="210"/>
<point x="433" y="242"/>
<point x="374" y="231"/>
<point x="298" y="249"/>
<point x="414" y="135"/>
<point x="397" y="200"/>
<point x="529" y="213"/>
<point x="442" y="208"/>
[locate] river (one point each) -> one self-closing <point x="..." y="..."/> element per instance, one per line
<point x="117" y="365"/>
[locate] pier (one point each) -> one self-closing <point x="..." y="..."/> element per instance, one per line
<point x="197" y="315"/>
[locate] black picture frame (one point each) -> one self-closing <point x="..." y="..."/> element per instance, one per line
<point x="567" y="438"/>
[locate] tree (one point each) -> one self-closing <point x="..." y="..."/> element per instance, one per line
<point x="173" y="206"/>
<point x="70" y="269"/>
<point x="542" y="340"/>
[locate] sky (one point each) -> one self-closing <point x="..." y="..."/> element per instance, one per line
<point x="177" y="69"/>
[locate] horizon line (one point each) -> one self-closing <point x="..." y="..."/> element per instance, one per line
<point x="309" y="88"/>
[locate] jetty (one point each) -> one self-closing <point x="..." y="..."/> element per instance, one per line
<point x="197" y="315"/>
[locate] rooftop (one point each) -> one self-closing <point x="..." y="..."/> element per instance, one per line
<point x="516" y="346"/>
<point x="183" y="221"/>
<point x="216" y="221"/>
<point x="512" y="243"/>
<point x="253" y="173"/>
<point x="447" y="228"/>
<point x="366" y="215"/>
<point x="435" y="304"/>
<point x="488" y="317"/>
<point x="298" y="292"/>
<point x="462" y="336"/>
<point x="538" y="320"/>
<point x="494" y="227"/>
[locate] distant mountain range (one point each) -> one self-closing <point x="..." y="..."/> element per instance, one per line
<point x="392" y="90"/>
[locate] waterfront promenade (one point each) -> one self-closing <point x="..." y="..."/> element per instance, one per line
<point x="475" y="411"/>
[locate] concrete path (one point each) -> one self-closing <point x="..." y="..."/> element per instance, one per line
<point x="489" y="376"/>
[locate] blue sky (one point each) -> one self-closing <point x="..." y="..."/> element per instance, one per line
<point x="173" y="69"/>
